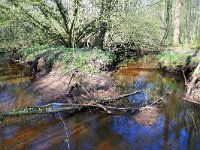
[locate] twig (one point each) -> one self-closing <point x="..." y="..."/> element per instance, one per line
<point x="193" y="120"/>
<point x="65" y="129"/>
<point x="72" y="75"/>
<point x="86" y="91"/>
<point x="191" y="101"/>
<point x="186" y="81"/>
<point x="152" y="104"/>
<point x="156" y="101"/>
<point x="101" y="106"/>
<point x="115" y="98"/>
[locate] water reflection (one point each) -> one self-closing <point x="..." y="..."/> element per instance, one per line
<point x="176" y="126"/>
<point x="14" y="80"/>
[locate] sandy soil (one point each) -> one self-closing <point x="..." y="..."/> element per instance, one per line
<point x="54" y="85"/>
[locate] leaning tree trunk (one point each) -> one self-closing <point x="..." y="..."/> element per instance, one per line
<point x="193" y="88"/>
<point x="177" y="23"/>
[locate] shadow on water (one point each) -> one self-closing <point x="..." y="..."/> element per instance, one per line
<point x="176" y="126"/>
<point x="14" y="89"/>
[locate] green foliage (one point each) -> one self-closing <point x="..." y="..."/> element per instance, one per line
<point x="33" y="52"/>
<point x="196" y="44"/>
<point x="139" y="26"/>
<point x="38" y="22"/>
<point x="86" y="60"/>
<point x="176" y="59"/>
<point x="190" y="23"/>
<point x="173" y="59"/>
<point x="77" y="23"/>
<point x="15" y="31"/>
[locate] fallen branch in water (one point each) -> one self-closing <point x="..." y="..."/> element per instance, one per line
<point x="191" y="101"/>
<point x="115" y="98"/>
<point x="53" y="108"/>
<point x="154" y="102"/>
<point x="158" y="100"/>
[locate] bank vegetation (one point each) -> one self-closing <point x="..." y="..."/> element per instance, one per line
<point x="81" y="32"/>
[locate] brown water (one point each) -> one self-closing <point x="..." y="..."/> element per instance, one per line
<point x="176" y="126"/>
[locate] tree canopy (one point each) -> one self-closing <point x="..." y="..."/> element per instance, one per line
<point x="79" y="23"/>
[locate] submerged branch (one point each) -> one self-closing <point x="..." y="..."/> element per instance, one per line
<point x="191" y="101"/>
<point x="111" y="99"/>
<point x="53" y="108"/>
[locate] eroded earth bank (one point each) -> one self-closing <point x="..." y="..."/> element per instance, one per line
<point x="170" y="123"/>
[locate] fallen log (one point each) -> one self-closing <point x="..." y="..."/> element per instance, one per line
<point x="35" y="111"/>
<point x="53" y="108"/>
<point x="60" y="107"/>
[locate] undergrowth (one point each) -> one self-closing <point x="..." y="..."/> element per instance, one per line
<point x="176" y="59"/>
<point x="86" y="60"/>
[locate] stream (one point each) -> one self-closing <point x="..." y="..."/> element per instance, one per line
<point x="175" y="124"/>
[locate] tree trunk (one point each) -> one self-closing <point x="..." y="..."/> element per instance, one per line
<point x="177" y="23"/>
<point x="167" y="19"/>
<point x="104" y="19"/>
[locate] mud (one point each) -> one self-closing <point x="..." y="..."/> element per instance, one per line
<point x="56" y="85"/>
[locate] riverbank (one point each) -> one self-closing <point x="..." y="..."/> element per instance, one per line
<point x="36" y="131"/>
<point x="185" y="61"/>
<point x="176" y="59"/>
<point x="56" y="84"/>
<point x="72" y="75"/>
<point x="76" y="87"/>
<point x="66" y="75"/>
<point x="59" y="70"/>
